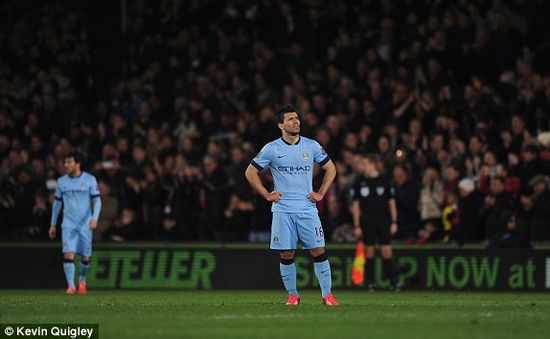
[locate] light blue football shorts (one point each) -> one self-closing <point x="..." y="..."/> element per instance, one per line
<point x="289" y="228"/>
<point x="77" y="240"/>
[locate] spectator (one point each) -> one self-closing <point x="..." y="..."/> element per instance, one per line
<point x="124" y="228"/>
<point x="540" y="227"/>
<point x="461" y="89"/>
<point x="430" y="205"/>
<point x="212" y="200"/>
<point x="496" y="204"/>
<point x="406" y="198"/>
<point x="109" y="212"/>
<point x="469" y="228"/>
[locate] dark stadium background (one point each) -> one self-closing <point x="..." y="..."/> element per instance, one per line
<point x="170" y="100"/>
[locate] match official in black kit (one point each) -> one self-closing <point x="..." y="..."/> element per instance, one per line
<point x="375" y="218"/>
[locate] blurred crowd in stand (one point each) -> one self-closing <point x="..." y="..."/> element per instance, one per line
<point x="171" y="105"/>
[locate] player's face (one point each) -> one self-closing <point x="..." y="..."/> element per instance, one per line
<point x="291" y="124"/>
<point x="71" y="167"/>
<point x="369" y="166"/>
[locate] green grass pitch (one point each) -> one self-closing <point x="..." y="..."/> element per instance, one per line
<point x="262" y="314"/>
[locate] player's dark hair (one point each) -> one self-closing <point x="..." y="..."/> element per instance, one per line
<point x="77" y="156"/>
<point x="284" y="110"/>
<point x="404" y="167"/>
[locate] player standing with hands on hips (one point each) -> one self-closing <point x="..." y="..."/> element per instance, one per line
<point x="76" y="191"/>
<point x="295" y="218"/>
<point x="375" y="218"/>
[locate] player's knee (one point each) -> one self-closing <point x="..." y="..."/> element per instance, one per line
<point x="287" y="255"/>
<point x="69" y="256"/>
<point x="369" y="251"/>
<point x="386" y="251"/>
<point x="319" y="255"/>
<point x="85" y="260"/>
<point x="315" y="252"/>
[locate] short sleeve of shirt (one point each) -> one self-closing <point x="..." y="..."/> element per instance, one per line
<point x="319" y="155"/>
<point x="263" y="159"/>
<point x="354" y="191"/>
<point x="94" y="189"/>
<point x="58" y="194"/>
<point x="390" y="189"/>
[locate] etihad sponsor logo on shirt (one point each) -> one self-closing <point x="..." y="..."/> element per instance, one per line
<point x="294" y="169"/>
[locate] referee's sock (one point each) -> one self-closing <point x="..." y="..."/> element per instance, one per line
<point x="84" y="268"/>
<point x="68" y="267"/>
<point x="322" y="271"/>
<point x="389" y="270"/>
<point x="288" y="274"/>
<point x="369" y="271"/>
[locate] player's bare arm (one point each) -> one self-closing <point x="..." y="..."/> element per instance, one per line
<point x="356" y="214"/>
<point x="393" y="214"/>
<point x="51" y="232"/>
<point x="330" y="174"/>
<point x="253" y="177"/>
<point x="93" y="224"/>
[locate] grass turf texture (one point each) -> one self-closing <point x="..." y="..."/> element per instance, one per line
<point x="261" y="314"/>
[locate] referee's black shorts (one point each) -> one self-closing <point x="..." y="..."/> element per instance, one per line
<point x="376" y="227"/>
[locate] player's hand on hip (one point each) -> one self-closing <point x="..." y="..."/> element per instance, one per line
<point x="51" y="232"/>
<point x="93" y="224"/>
<point x="274" y="196"/>
<point x="314" y="197"/>
<point x="393" y="228"/>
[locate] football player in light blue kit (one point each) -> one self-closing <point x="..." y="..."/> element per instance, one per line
<point x="78" y="194"/>
<point x="295" y="218"/>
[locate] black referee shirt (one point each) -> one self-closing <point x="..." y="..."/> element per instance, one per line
<point x="373" y="194"/>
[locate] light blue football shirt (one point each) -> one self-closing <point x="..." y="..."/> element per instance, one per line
<point x="292" y="170"/>
<point x="76" y="194"/>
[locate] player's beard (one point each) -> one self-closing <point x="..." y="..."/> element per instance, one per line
<point x="293" y="133"/>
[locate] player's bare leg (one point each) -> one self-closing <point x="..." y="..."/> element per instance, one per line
<point x="322" y="271"/>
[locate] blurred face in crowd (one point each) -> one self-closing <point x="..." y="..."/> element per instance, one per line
<point x="369" y="167"/>
<point x="323" y="137"/>
<point x="72" y="168"/>
<point x="539" y="187"/>
<point x="475" y="144"/>
<point x="210" y="165"/>
<point x="104" y="189"/>
<point x="430" y="176"/>
<point x="138" y="154"/>
<point x="518" y="125"/>
<point x="528" y="156"/>
<point x="237" y="155"/>
<point x="399" y="175"/>
<point x="526" y="201"/>
<point x="383" y="145"/>
<point x="497" y="186"/>
<point x="489" y="159"/>
<point x="290" y="124"/>
<point x="451" y="173"/>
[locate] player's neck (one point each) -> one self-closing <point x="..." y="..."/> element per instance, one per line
<point x="291" y="139"/>
<point x="75" y="174"/>
<point x="373" y="174"/>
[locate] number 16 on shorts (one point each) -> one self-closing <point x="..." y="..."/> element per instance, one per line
<point x="319" y="232"/>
